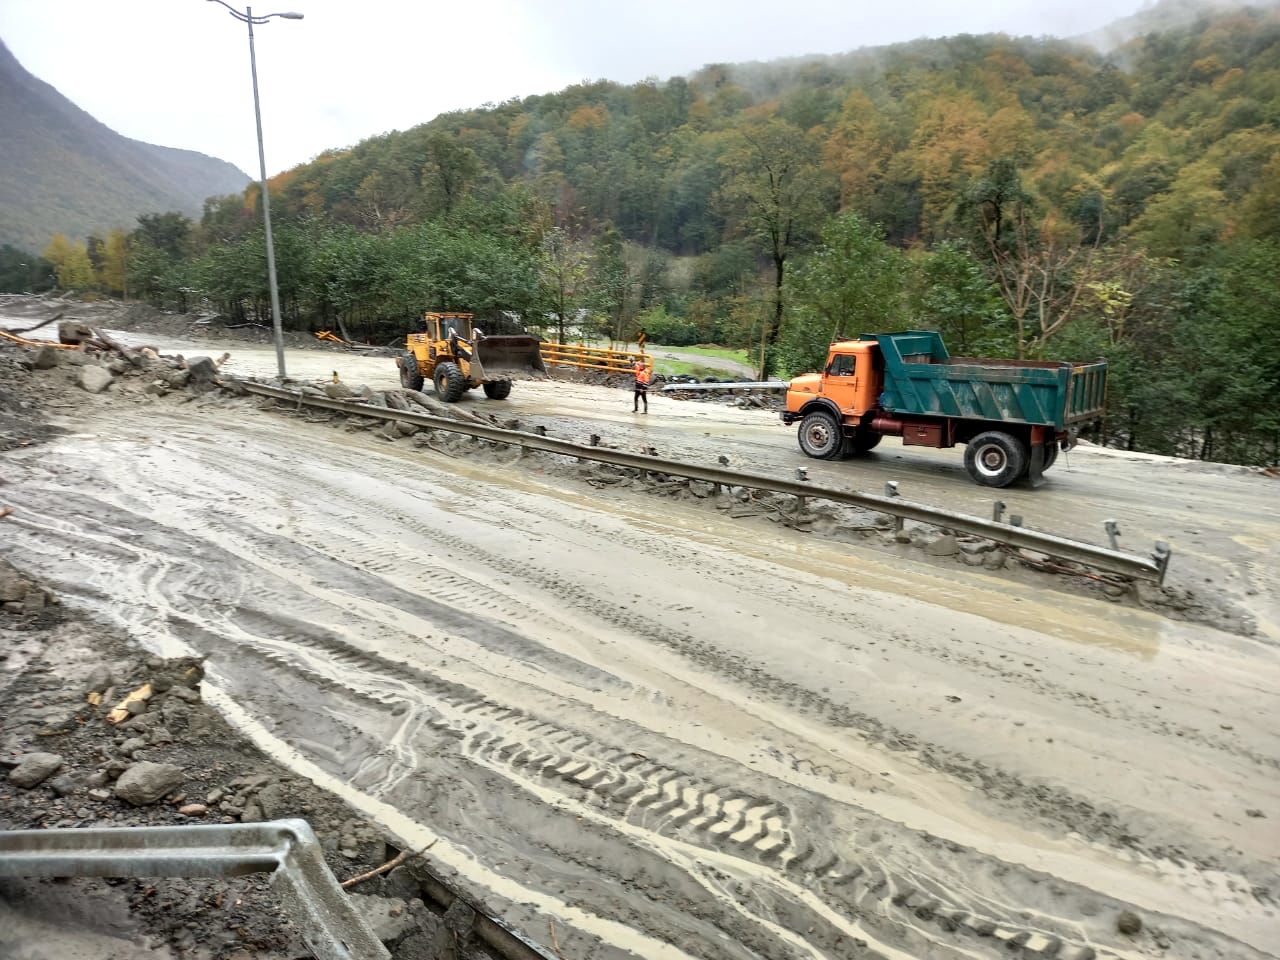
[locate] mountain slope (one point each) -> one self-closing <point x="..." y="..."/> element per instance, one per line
<point x="64" y="172"/>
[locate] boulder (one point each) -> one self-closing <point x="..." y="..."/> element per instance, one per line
<point x="147" y="782"/>
<point x="73" y="331"/>
<point x="99" y="679"/>
<point x="46" y="358"/>
<point x="201" y="371"/>
<point x="34" y="769"/>
<point x="95" y="379"/>
<point x="1129" y="923"/>
<point x="944" y="546"/>
<point x="337" y="391"/>
<point x="178" y="378"/>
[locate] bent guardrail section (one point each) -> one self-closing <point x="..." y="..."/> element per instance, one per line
<point x="287" y="849"/>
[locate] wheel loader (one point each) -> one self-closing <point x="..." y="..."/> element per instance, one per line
<point x="456" y="356"/>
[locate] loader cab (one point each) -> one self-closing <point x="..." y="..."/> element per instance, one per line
<point x="852" y="376"/>
<point x="443" y="326"/>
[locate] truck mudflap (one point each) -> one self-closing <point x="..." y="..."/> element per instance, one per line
<point x="507" y="358"/>
<point x="1043" y="452"/>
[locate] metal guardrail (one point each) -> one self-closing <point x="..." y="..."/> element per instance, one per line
<point x="1099" y="558"/>
<point x="287" y="849"/>
<point x="746" y="385"/>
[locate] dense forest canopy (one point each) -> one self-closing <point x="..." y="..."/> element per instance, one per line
<point x="1028" y="197"/>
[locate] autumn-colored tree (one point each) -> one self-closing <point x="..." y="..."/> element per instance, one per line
<point x="114" y="275"/>
<point x="70" y="263"/>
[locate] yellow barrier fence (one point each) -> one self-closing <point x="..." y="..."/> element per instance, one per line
<point x="582" y="357"/>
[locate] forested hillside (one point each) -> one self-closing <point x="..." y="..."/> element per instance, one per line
<point x="64" y="172"/>
<point x="1029" y="197"/>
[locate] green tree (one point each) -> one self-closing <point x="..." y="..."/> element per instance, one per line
<point x="852" y="283"/>
<point x="951" y="292"/>
<point x="777" y="194"/>
<point x="23" y="272"/>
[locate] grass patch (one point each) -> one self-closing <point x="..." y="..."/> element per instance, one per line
<point x="705" y="350"/>
<point x="669" y="368"/>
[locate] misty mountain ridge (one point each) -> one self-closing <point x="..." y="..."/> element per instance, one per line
<point x="65" y="172"/>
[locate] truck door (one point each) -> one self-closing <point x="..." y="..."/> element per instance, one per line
<point x="840" y="381"/>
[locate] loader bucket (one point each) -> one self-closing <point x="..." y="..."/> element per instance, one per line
<point x="507" y="358"/>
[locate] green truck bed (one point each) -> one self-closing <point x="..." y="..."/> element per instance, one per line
<point x="920" y="377"/>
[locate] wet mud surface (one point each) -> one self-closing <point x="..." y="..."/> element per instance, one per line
<point x="660" y="726"/>
<point x="663" y="732"/>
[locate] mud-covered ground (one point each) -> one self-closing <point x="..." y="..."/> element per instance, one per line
<point x="663" y="725"/>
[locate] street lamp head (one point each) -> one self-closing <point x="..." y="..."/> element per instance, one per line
<point x="288" y="16"/>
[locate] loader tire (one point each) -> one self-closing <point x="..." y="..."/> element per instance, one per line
<point x="450" y="383"/>
<point x="995" y="458"/>
<point x="410" y="373"/>
<point x="820" y="436"/>
<point x="497" y="389"/>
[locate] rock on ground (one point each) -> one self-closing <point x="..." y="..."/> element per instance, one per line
<point x="34" y="769"/>
<point x="147" y="782"/>
<point x="95" y="379"/>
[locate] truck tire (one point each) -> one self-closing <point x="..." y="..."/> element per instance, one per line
<point x="450" y="383"/>
<point x="861" y="441"/>
<point x="410" y="373"/>
<point x="820" y="436"/>
<point x="995" y="458"/>
<point x="1050" y="455"/>
<point x="497" y="389"/>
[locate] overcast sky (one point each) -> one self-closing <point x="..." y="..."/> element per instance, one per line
<point x="176" y="72"/>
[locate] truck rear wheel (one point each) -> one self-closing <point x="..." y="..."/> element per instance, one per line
<point x="450" y="383"/>
<point x="820" y="436"/>
<point x="497" y="389"/>
<point x="995" y="458"/>
<point x="410" y="373"/>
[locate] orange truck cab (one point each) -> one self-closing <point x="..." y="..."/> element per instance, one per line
<point x="1012" y="415"/>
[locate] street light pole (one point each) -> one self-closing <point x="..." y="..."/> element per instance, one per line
<point x="248" y="18"/>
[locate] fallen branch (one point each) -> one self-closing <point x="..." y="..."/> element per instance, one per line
<point x="389" y="865"/>
<point x="555" y="942"/>
<point x="43" y="323"/>
<point x="5" y="511"/>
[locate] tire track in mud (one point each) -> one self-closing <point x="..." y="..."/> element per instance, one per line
<point x="1114" y="709"/>
<point x="660" y="798"/>
<point x="1048" y="798"/>
<point x="679" y="799"/>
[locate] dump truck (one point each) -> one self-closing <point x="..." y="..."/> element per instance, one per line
<point x="456" y="356"/>
<point x="1013" y="416"/>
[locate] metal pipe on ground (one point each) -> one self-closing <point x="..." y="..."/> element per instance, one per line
<point x="1090" y="555"/>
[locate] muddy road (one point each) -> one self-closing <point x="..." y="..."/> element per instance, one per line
<point x="660" y="732"/>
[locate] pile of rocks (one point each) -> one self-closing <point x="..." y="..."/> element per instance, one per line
<point x="19" y="595"/>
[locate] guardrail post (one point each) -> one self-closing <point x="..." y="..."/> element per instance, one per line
<point x="1015" y="519"/>
<point x="891" y="490"/>
<point x="1113" y="533"/>
<point x="1161" y="557"/>
<point x="997" y="511"/>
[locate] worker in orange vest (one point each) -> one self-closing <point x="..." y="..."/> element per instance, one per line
<point x="642" y="387"/>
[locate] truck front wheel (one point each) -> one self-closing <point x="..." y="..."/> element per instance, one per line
<point x="995" y="459"/>
<point x="820" y="436"/>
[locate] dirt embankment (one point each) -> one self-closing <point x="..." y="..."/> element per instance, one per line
<point x="172" y="760"/>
